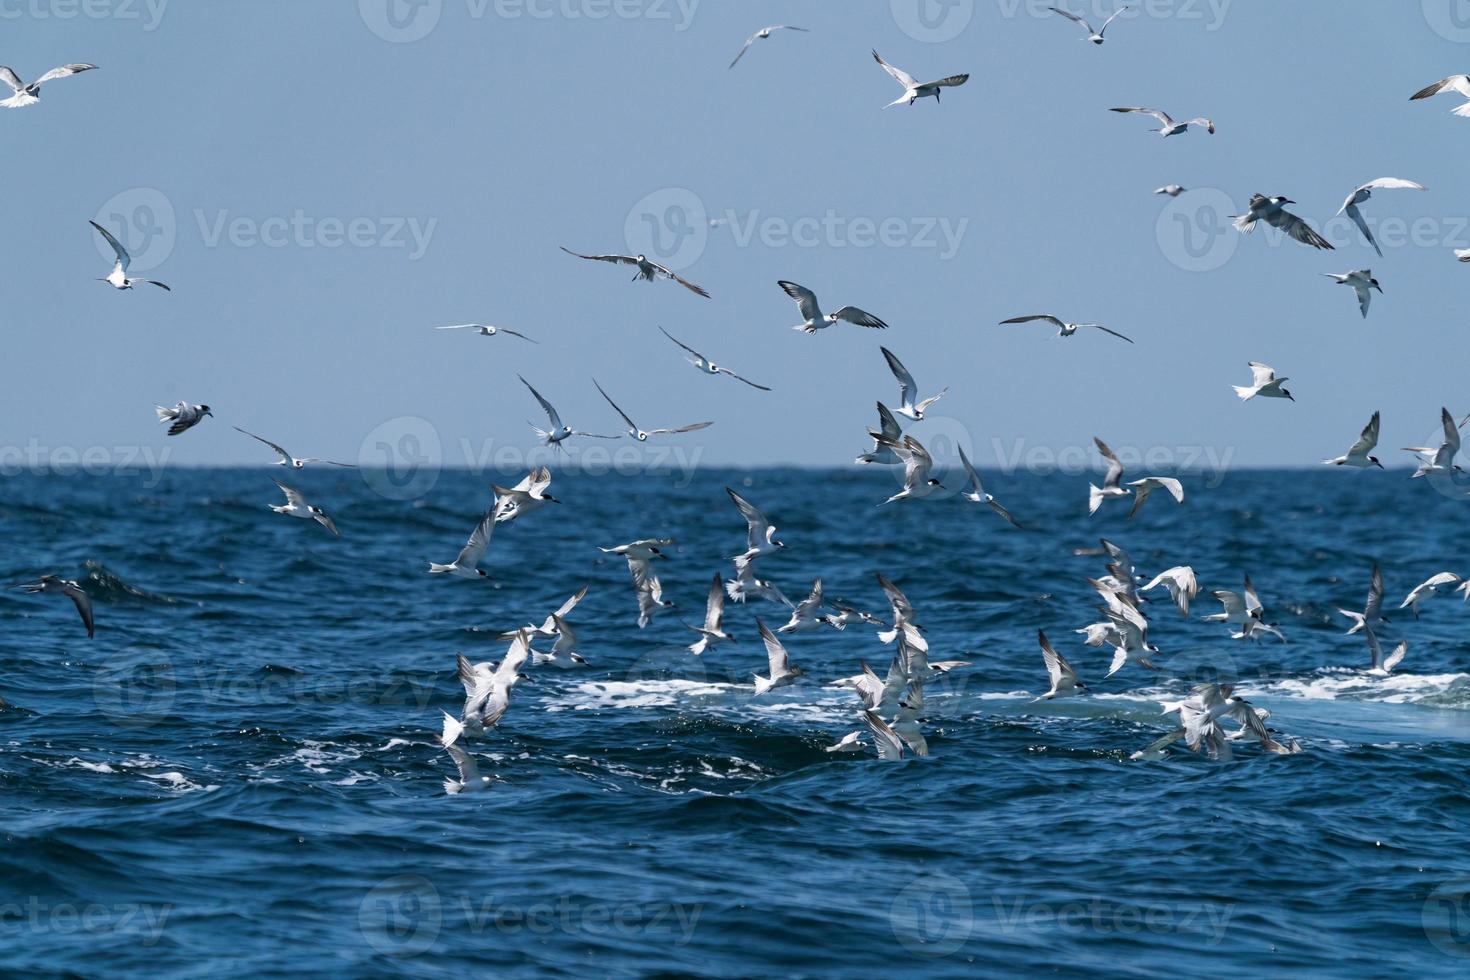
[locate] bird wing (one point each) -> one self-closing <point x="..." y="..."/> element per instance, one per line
<point x="739" y="378"/>
<point x="695" y="427"/>
<point x="1115" y="468"/>
<point x="1451" y="432"/>
<point x="1252" y="601"/>
<point x="902" y="608"/>
<point x="1151" y="483"/>
<point x="887" y="424"/>
<point x="1103" y="30"/>
<point x="293" y="496"/>
<point x="556" y="422"/>
<point x="631" y="423"/>
<point x="61" y="72"/>
<point x="474" y="549"/>
<point x="671" y="274"/>
<point x="1039" y="316"/>
<point x="748" y="42"/>
<point x="123" y="258"/>
<point x="83" y="603"/>
<point x="806" y="300"/>
<point x="279" y="451"/>
<point x="974" y="477"/>
<point x="918" y="463"/>
<point x="1056" y="665"/>
<point x="619" y="259"/>
<point x="1368" y="439"/>
<point x="462" y="326"/>
<point x="1373" y="608"/>
<point x="714" y="606"/>
<point x="1159" y="114"/>
<point x="1458" y="82"/>
<point x="12" y="79"/>
<point x="1261" y="374"/>
<point x="1099" y="326"/>
<point x="684" y="345"/>
<point x="775" y="652"/>
<point x="469" y="772"/>
<point x="860" y="317"/>
<point x="753" y="517"/>
<point x="1073" y="17"/>
<point x="1392" y="183"/>
<point x="1297" y="229"/>
<point x="907" y="388"/>
<point x="899" y="75"/>
<point x="1397" y="656"/>
<point x="889" y="745"/>
<point x="952" y="81"/>
<point x="515" y="333"/>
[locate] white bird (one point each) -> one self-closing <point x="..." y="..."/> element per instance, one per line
<point x="118" y="277"/>
<point x="760" y="533"/>
<point x="782" y="671"/>
<point x="913" y="89"/>
<point x="1439" y="460"/>
<point x="710" y="367"/>
<point x="486" y="330"/>
<point x="918" y="467"/>
<point x="1095" y="36"/>
<point x="1359" y="454"/>
<point x="642" y="435"/>
<point x="1454" y="83"/>
<point x="1384" y="665"/>
<point x="487" y="689"/>
<point x="1362" y="282"/>
<point x="1427" y="588"/>
<point x="559" y="431"/>
<point x="712" y="632"/>
<point x="903" y="610"/>
<point x="1064" y="329"/>
<point x="1139" y="490"/>
<point x="467" y="564"/>
<point x="549" y="626"/>
<point x="1365" y="192"/>
<point x="1173" y="190"/>
<point x="470" y="780"/>
<point x="807" y="614"/>
<point x="296" y="506"/>
<point x="648" y="270"/>
<point x="565" y="653"/>
<point x="1272" y="210"/>
<point x="1263" y="383"/>
<point x="908" y="391"/>
<point x="1372" y="615"/>
<point x="1463" y="254"/>
<point x="811" y="311"/>
<point x="644" y="549"/>
<point x="286" y="459"/>
<point x="1167" y="125"/>
<point x="975" y="492"/>
<point x="851" y="742"/>
<point x="1242" y="609"/>
<point x="746" y="585"/>
<point x="52" y="585"/>
<point x="876" y="693"/>
<point x="888" y="744"/>
<point x="1063" y="678"/>
<point x="182" y="417"/>
<point x="888" y="432"/>
<point x="906" y="722"/>
<point x="761" y="35"/>
<point x="647" y="588"/>
<point x="30" y="94"/>
<point x="1180" y="582"/>
<point x="525" y="497"/>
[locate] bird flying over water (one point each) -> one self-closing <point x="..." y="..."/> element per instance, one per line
<point x="118" y="277"/>
<point x="182" y="417"/>
<point x="975" y="492"/>
<point x="1363" y="193"/>
<point x="648" y="270"/>
<point x="286" y="459"/>
<point x="1064" y="329"/>
<point x="1359" y="455"/>
<point x="908" y="389"/>
<point x="1139" y="490"/>
<point x="712" y="632"/>
<point x="642" y="435"/>
<point x="814" y="319"/>
<point x="30" y="93"/>
<point x="486" y="330"/>
<point x="1272" y="210"/>
<point x="1169" y="126"/>
<point x="761" y="35"/>
<point x="559" y="431"/>
<point x="467" y="563"/>
<point x="1362" y="282"/>
<point x="1263" y="383"/>
<point x="707" y="366"/>
<point x="1095" y="36"/>
<point x="913" y="89"/>
<point x="296" y="506"/>
<point x="782" y="671"/>
<point x="53" y="585"/>
<point x="1064" y="679"/>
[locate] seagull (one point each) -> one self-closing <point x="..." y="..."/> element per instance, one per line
<point x="888" y="744"/>
<point x="1139" y="490"/>
<point x="762" y="34"/>
<point x="648" y="270"/>
<point x="486" y="330"/>
<point x="781" y="669"/>
<point x="559" y="432"/>
<point x="31" y="94"/>
<point x="183" y="416"/>
<point x="487" y="690"/>
<point x="1180" y="582"/>
<point x="52" y="585"/>
<point x="564" y="653"/>
<point x="908" y="390"/>
<point x="1173" y="190"/>
<point x="1462" y="254"/>
<point x="1427" y="588"/>
<point x="913" y="90"/>
<point x="847" y="615"/>
<point x="1362" y="282"/>
<point x="806" y="615"/>
<point x="1130" y="642"/>
<point x="296" y="506"/>
<point x="1064" y="329"/>
<point x="708" y="366"/>
<point x="888" y="431"/>
<point x="714" y="611"/>
<point x="1385" y="666"/>
<point x="640" y="434"/>
<point x="1243" y="610"/>
<point x="525" y="497"/>
<point x="1372" y="614"/>
<point x="976" y="492"/>
<point x="851" y="742"/>
<point x="917" y="466"/>
<point x="649" y="590"/>
<point x="1358" y="455"/>
<point x="286" y="458"/>
<point x="1454" y="83"/>
<point x="1439" y="459"/>
<point x="878" y="694"/>
<point x="906" y="722"/>
<point x="118" y="277"/>
<point x="467" y="565"/>
<point x="644" y="549"/>
<point x="903" y="610"/>
<point x="1263" y="382"/>
<point x="1095" y="36"/>
<point x="470" y="780"/>
<point x="760" y="533"/>
<point x="1063" y="678"/>
<point x="1167" y="126"/>
<point x="1363" y="193"/>
<point x="811" y="310"/>
<point x="1272" y="210"/>
<point x="549" y="627"/>
<point x="745" y="584"/>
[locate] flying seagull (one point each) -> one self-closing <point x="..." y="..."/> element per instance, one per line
<point x="642" y="435"/>
<point x="1358" y="455"/>
<point x="486" y="330"/>
<point x="182" y="417"/>
<point x="525" y="497"/>
<point x="887" y="433"/>
<point x="286" y="458"/>
<point x="1427" y="588"/>
<point x="1454" y="83"/>
<point x="648" y="270"/>
<point x="559" y="432"/>
<point x="760" y="533"/>
<point x="118" y="277"/>
<point x="1365" y="192"/>
<point x="1063" y="678"/>
<point x="707" y="366"/>
<point x="296" y="506"/>
<point x="814" y="319"/>
<point x="52" y="585"/>
<point x="1139" y="490"/>
<point x="1263" y="383"/>
<point x="1273" y="211"/>
<point x="782" y="671"/>
<point x="761" y="35"/>
<point x="908" y="390"/>
<point x="976" y="492"/>
<point x="467" y="564"/>
<point x="1095" y="36"/>
<point x="1167" y="125"/>
<point x="1439" y="459"/>
<point x="712" y="631"/>
<point x="1173" y="190"/>
<point x="1064" y="329"/>
<point x="918" y="466"/>
<point x="31" y="94"/>
<point x="565" y="653"/>
<point x="1180" y="582"/>
<point x="1371" y="617"/>
<point x="470" y="780"/>
<point x="1362" y="282"/>
<point x="913" y="89"/>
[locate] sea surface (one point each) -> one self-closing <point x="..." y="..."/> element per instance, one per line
<point x="240" y="774"/>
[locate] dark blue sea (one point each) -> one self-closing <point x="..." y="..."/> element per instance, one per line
<point x="240" y="774"/>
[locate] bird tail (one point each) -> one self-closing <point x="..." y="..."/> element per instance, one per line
<point x="1244" y="393"/>
<point x="164" y="414"/>
<point x="1244" y="223"/>
<point x="435" y="568"/>
<point x="453" y="729"/>
<point x="1094" y="498"/>
<point x="762" y="685"/>
<point x="1462" y="111"/>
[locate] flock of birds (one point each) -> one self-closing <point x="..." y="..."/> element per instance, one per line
<point x="890" y="706"/>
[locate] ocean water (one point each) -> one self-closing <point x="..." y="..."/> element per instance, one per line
<point x="240" y="773"/>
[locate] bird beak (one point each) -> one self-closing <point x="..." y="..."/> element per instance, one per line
<point x="1288" y="201"/>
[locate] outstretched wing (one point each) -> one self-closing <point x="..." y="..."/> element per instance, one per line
<point x="908" y="389"/>
<point x="899" y="75"/>
<point x="545" y="405"/>
<point x="123" y="258"/>
<point x="619" y="259"/>
<point x="806" y="300"/>
<point x="863" y="319"/>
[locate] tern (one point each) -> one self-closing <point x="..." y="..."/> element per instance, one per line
<point x="908" y="717"/>
<point x="644" y="549"/>
<point x="649" y="590"/>
<point x="1362" y="282"/>
<point x="564" y="653"/>
<point x="640" y="434"/>
<point x="851" y="742"/>
<point x="1358" y="455"/>
<point x="486" y="330"/>
<point x="1173" y="190"/>
<point x="846" y="615"/>
<point x="708" y="366"/>
<point x="807" y="614"/>
<point x="913" y="89"/>
<point x="467" y="564"/>
<point x="1427" y="588"/>
<point x="118" y="277"/>
<point x="903" y="610"/>
<point x="1139" y="490"/>
<point x="878" y="694"/>
<point x="1242" y="609"/>
<point x="286" y="458"/>
<point x="1130" y="640"/>
<point x="1365" y="192"/>
<point x="1372" y="615"/>
<point x="549" y="626"/>
<point x="782" y="671"/>
<point x="30" y="94"/>
<point x="52" y="585"/>
<point x="760" y="533"/>
<point x="182" y="417"/>
<point x="975" y="492"/>
<point x="917" y="468"/>
<point x="1095" y="36"/>
<point x="887" y="433"/>
<point x="1064" y="329"/>
<point x="1063" y="678"/>
<point x="745" y="585"/>
<point x="487" y="689"/>
<point x="762" y="34"/>
<point x="525" y="497"/>
<point x="1462" y="254"/>
<point x="1263" y="383"/>
<point x="908" y="391"/>
<point x="814" y="319"/>
<point x="296" y="506"/>
<point x="1384" y="665"/>
<point x="470" y="780"/>
<point x="648" y="270"/>
<point x="1439" y="460"/>
<point x="1459" y="84"/>
<point x="1272" y="210"/>
<point x="1167" y="125"/>
<point x="712" y="632"/>
<point x="1180" y="582"/>
<point x="559" y="431"/>
<point x="888" y="744"/>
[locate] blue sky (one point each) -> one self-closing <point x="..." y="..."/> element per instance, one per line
<point x="322" y="186"/>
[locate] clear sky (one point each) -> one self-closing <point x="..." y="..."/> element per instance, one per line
<point x="321" y="185"/>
